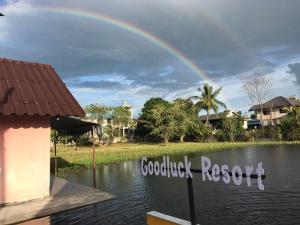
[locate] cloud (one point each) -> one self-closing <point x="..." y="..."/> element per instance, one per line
<point x="225" y="39"/>
<point x="295" y="69"/>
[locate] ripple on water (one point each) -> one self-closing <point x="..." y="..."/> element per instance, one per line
<point x="216" y="203"/>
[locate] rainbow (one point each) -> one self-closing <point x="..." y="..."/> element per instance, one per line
<point x="138" y="31"/>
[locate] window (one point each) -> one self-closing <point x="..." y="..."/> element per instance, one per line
<point x="283" y="110"/>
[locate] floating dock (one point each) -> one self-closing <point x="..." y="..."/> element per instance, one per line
<point x="65" y="195"/>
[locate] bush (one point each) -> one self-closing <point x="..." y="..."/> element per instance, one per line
<point x="199" y="132"/>
<point x="232" y="129"/>
<point x="84" y="140"/>
<point x="290" y="126"/>
<point x="221" y="136"/>
<point x="270" y="133"/>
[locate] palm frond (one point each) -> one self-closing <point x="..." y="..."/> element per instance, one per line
<point x="215" y="108"/>
<point x="217" y="92"/>
<point x="194" y="97"/>
<point x="221" y="104"/>
<point x="199" y="89"/>
<point x="207" y="89"/>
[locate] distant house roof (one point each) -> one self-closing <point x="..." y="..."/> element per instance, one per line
<point x="277" y="102"/>
<point x="216" y="116"/>
<point x="219" y="116"/>
<point x="34" y="89"/>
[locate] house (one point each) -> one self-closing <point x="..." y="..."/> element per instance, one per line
<point x="31" y="94"/>
<point x="216" y="120"/>
<point x="272" y="111"/>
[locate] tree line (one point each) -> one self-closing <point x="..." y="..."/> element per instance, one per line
<point x="179" y="119"/>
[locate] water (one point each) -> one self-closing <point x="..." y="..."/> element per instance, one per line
<point x="216" y="203"/>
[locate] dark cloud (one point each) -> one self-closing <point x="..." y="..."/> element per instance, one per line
<point x="224" y="38"/>
<point x="95" y="84"/>
<point x="295" y="69"/>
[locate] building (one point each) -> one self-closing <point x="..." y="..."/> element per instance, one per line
<point x="216" y="120"/>
<point x="31" y="94"/>
<point x="272" y="111"/>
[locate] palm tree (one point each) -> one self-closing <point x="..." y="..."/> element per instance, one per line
<point x="208" y="100"/>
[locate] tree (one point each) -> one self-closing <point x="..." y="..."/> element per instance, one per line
<point x="208" y="100"/>
<point x="257" y="88"/>
<point x="164" y="122"/>
<point x="185" y="116"/>
<point x="121" y="117"/>
<point x="150" y="105"/>
<point x="290" y="126"/>
<point x="232" y="127"/>
<point x="146" y="116"/>
<point x="54" y="136"/>
<point x="199" y="131"/>
<point x="97" y="111"/>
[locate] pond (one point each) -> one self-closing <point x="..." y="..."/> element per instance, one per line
<point x="216" y="203"/>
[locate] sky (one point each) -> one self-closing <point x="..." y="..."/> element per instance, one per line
<point x="109" y="51"/>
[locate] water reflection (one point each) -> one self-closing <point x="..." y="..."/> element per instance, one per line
<point x="216" y="203"/>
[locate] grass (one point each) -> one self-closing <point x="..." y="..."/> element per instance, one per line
<point x="69" y="158"/>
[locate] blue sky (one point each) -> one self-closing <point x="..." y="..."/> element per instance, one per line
<point x="102" y="63"/>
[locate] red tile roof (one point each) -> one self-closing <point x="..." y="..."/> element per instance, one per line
<point x="34" y="89"/>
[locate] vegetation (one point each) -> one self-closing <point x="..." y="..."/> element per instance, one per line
<point x="290" y="126"/>
<point x="232" y="129"/>
<point x="178" y="121"/>
<point x="98" y="111"/>
<point x="117" y="119"/>
<point x="144" y="131"/>
<point x="121" y="118"/>
<point x="208" y="100"/>
<point x="67" y="157"/>
<point x="257" y="88"/>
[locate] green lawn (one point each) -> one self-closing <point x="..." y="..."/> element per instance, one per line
<point x="68" y="157"/>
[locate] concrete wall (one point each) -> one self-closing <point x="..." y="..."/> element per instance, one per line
<point x="275" y="115"/>
<point x="24" y="158"/>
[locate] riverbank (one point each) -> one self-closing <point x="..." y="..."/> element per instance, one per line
<point x="69" y="158"/>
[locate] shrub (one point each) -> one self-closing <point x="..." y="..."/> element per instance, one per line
<point x="84" y="140"/>
<point x="290" y="126"/>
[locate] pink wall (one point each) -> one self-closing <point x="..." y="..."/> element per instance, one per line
<point x="24" y="158"/>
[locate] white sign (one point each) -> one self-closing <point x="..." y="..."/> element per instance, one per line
<point x="210" y="172"/>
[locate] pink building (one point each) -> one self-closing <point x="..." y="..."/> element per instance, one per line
<point x="30" y="94"/>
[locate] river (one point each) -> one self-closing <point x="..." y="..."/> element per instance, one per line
<point x="216" y="203"/>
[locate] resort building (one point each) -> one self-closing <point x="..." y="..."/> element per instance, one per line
<point x="272" y="111"/>
<point x="31" y="95"/>
<point x="216" y="120"/>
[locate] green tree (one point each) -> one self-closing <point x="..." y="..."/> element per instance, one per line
<point x="290" y="126"/>
<point x="208" y="100"/>
<point x="164" y="122"/>
<point x="97" y="111"/>
<point x="121" y="117"/>
<point x="146" y="116"/>
<point x="199" y="131"/>
<point x="232" y="128"/>
<point x="54" y="136"/>
<point x="185" y="116"/>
